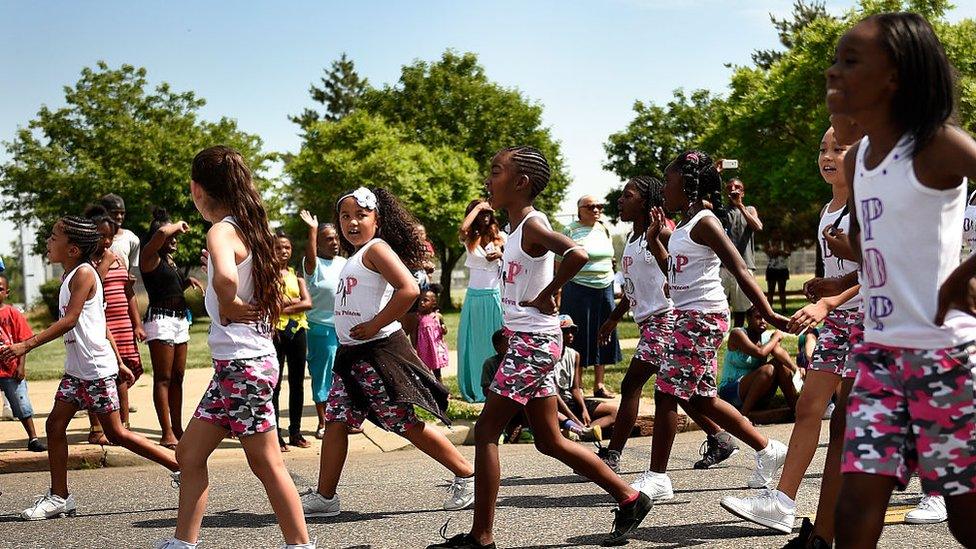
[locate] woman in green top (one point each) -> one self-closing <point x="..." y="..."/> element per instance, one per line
<point x="755" y="366"/>
<point x="588" y="298"/>
<point x="290" y="344"/>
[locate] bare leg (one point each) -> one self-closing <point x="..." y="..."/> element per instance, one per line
<point x="962" y="519"/>
<point x="264" y="457"/>
<point x="176" y="389"/>
<point x="631" y="387"/>
<point x="494" y="417"/>
<point x="199" y="441"/>
<point x="57" y="445"/>
<point x="665" y="429"/>
<point x="830" y="487"/>
<point x="161" y="356"/>
<point x="755" y="386"/>
<point x="817" y="390"/>
<point x="599" y="371"/>
<point x="604" y="415"/>
<point x="862" y="502"/>
<point x="137" y="444"/>
<point x="549" y="441"/>
<point x="431" y="441"/>
<point x="123" y="389"/>
<point x="28" y="424"/>
<point x="320" y="412"/>
<point x="335" y="446"/>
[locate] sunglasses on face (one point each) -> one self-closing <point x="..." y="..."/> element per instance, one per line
<point x="593" y="207"/>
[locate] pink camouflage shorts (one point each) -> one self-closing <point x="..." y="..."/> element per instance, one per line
<point x="393" y="416"/>
<point x="692" y="364"/>
<point x="528" y="370"/>
<point x="239" y="396"/>
<point x="914" y="409"/>
<point x="842" y="330"/>
<point x="98" y="396"/>
<point x="656" y="333"/>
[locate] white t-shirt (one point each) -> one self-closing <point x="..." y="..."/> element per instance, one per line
<point x="693" y="271"/>
<point x="126" y="247"/>
<point x="483" y="274"/>
<point x="643" y="281"/>
<point x="835" y="266"/>
<point x="523" y="278"/>
<point x="89" y="353"/>
<point x="362" y="293"/>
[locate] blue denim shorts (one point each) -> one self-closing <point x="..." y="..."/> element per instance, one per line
<point x="16" y="392"/>
<point x="730" y="393"/>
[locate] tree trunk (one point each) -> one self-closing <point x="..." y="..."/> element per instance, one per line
<point x="449" y="257"/>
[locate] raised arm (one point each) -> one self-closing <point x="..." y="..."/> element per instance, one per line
<point x="311" y="246"/>
<point x="149" y="257"/>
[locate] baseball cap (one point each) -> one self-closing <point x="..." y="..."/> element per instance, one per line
<point x="566" y="322"/>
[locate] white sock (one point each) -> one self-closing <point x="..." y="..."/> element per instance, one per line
<point x="785" y="500"/>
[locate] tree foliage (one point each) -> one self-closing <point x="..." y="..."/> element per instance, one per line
<point x="803" y="14"/>
<point x="429" y="137"/>
<point x="772" y="118"/>
<point x="116" y="136"/>
<point x="339" y="93"/>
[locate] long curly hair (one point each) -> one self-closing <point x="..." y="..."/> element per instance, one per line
<point x="396" y="226"/>
<point x="222" y="172"/>
<point x="700" y="180"/>
<point x="480" y="229"/>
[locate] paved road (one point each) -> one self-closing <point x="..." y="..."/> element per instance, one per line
<point x="393" y="499"/>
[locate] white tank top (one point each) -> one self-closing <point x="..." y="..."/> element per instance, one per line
<point x="643" y="281"/>
<point x="693" y="271"/>
<point x="89" y="353"/>
<point x="237" y="340"/>
<point x="483" y="274"/>
<point x="523" y="277"/>
<point x="362" y="293"/>
<point x="910" y="242"/>
<point x="834" y="266"/>
<point x="969" y="227"/>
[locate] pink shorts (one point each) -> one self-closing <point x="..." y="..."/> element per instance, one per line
<point x="691" y="367"/>
<point x="393" y="416"/>
<point x="914" y="409"/>
<point x="656" y="333"/>
<point x="528" y="369"/>
<point x="98" y="396"/>
<point x="842" y="329"/>
<point x="239" y="396"/>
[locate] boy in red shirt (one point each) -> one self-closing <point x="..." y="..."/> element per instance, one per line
<point x="14" y="329"/>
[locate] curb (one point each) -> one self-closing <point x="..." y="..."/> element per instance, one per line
<point x="79" y="457"/>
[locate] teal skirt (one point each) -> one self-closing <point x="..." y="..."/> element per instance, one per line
<point x="481" y="316"/>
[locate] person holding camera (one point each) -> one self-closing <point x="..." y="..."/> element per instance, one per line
<point x="741" y="223"/>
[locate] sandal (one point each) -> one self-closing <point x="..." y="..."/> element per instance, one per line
<point x="299" y="441"/>
<point x="284" y="447"/>
<point x="98" y="437"/>
<point x="320" y="432"/>
<point x="602" y="392"/>
<point x="169" y="445"/>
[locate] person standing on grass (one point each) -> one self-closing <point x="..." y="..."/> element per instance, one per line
<point x="588" y="297"/>
<point x="125" y="244"/>
<point x="741" y="224"/>
<point x="13" y="375"/>
<point x="321" y="267"/>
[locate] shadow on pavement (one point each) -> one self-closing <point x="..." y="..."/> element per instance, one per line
<point x="682" y="535"/>
<point x="543" y="481"/>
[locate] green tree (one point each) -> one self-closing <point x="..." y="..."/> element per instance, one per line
<point x="452" y="103"/>
<point x="434" y="183"/>
<point x="803" y="14"/>
<point x="339" y="93"/>
<point x="771" y="118"/>
<point x="115" y="135"/>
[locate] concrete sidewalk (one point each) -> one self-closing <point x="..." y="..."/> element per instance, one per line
<point x="14" y="457"/>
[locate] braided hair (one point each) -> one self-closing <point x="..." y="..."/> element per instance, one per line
<point x="699" y="178"/>
<point x="531" y="163"/>
<point x="652" y="189"/>
<point x="83" y="233"/>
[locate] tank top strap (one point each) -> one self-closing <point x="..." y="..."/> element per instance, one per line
<point x="972" y="195"/>
<point x="358" y="256"/>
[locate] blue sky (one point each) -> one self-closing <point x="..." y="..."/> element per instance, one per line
<point x="586" y="62"/>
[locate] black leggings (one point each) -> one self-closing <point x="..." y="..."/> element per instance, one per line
<point x="291" y="349"/>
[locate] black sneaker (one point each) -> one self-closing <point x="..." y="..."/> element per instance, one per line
<point x="461" y="541"/>
<point x="626" y="519"/>
<point x="610" y="457"/>
<point x="35" y="445"/>
<point x="817" y="542"/>
<point x="800" y="541"/>
<point x="715" y="450"/>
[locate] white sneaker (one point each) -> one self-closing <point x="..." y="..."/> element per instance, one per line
<point x="174" y="481"/>
<point x="50" y="506"/>
<point x="768" y="509"/>
<point x="930" y="510"/>
<point x="173" y="543"/>
<point x="315" y="504"/>
<point x="309" y="545"/>
<point x="460" y="494"/>
<point x="768" y="461"/>
<point x="656" y="486"/>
